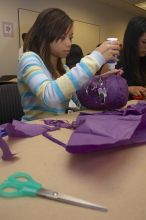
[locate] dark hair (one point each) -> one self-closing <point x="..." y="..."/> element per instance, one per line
<point x="49" y="26"/>
<point x="74" y="56"/>
<point x="134" y="66"/>
<point x="23" y="36"/>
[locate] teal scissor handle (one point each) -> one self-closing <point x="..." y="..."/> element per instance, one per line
<point x="21" y="184"/>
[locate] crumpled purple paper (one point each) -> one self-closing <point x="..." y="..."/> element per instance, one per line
<point x="18" y="129"/>
<point x="92" y="130"/>
<point x="109" y="130"/>
<point x="56" y="124"/>
<point x="135" y="109"/>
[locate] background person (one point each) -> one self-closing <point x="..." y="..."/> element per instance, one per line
<point x="75" y="55"/>
<point x="21" y="48"/>
<point x="133" y="56"/>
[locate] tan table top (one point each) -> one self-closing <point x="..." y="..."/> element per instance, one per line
<point x="115" y="179"/>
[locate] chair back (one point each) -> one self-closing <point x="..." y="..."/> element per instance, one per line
<point x="10" y="103"/>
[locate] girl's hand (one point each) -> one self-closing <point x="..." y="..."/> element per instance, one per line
<point x="113" y="72"/>
<point x="109" y="51"/>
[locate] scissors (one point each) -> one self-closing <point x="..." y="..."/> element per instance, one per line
<point x="22" y="184"/>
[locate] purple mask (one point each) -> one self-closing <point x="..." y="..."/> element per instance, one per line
<point x="104" y="93"/>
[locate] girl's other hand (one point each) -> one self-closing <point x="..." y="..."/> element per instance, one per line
<point x="113" y="72"/>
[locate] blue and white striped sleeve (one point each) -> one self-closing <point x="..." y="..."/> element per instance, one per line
<point x="61" y="89"/>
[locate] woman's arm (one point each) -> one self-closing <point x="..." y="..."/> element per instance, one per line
<point x="31" y="71"/>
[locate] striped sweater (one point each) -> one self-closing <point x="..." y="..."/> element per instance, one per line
<point x="41" y="95"/>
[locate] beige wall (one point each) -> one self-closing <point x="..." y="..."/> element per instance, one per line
<point x="112" y="22"/>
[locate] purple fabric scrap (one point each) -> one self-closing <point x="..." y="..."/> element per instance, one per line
<point x="56" y="124"/>
<point x="54" y="139"/>
<point x="3" y="132"/>
<point x="23" y="129"/>
<point x="7" y="155"/>
<point x="18" y="129"/>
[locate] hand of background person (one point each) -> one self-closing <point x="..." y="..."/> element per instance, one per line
<point x="137" y="90"/>
<point x="109" y="51"/>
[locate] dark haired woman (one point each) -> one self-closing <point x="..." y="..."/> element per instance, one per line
<point x="44" y="86"/>
<point x="133" y="56"/>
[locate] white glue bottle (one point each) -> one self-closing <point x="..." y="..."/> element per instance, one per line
<point x="112" y="63"/>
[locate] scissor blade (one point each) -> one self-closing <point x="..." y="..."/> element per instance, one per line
<point x="70" y="200"/>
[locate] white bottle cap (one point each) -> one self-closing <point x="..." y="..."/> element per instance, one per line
<point x="112" y="39"/>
